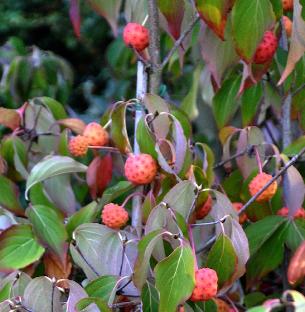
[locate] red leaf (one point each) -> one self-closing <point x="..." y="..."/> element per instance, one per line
<point x="9" y="118"/>
<point x="75" y="16"/>
<point x="75" y="124"/>
<point x="99" y="174"/>
<point x="173" y="11"/>
<point x="296" y="268"/>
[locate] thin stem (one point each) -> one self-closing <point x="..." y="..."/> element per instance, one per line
<point x="180" y="40"/>
<point x="131" y="196"/>
<point x="258" y="160"/>
<point x="286" y="120"/>
<point x="105" y="148"/>
<point x="190" y="232"/>
<point x="222" y="220"/>
<point x="220" y="164"/>
<point x="280" y="173"/>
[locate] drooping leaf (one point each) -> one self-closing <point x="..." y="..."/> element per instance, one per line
<point x="99" y="175"/>
<point x="172" y="272"/>
<point x="41" y="294"/>
<point x="218" y="55"/>
<point x="52" y="166"/>
<point x="19" y="247"/>
<point x="109" y="10"/>
<point x="225" y="101"/>
<point x="222" y="258"/>
<point x="56" y="108"/>
<point x="48" y="227"/>
<point x="215" y="13"/>
<point x="173" y="11"/>
<point x="247" y="16"/>
<point x="145" y="249"/>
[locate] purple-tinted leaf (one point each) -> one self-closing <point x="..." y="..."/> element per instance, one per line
<point x="218" y="55"/>
<point x="76" y="293"/>
<point x="294" y="190"/>
<point x="75" y="16"/>
<point x="109" y="10"/>
<point x="173" y="11"/>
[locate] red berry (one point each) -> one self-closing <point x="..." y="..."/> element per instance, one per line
<point x="205" y="209"/>
<point x="299" y="214"/>
<point x="266" y="48"/>
<point x="114" y="216"/>
<point x="205" y="285"/>
<point x="140" y="169"/>
<point x="258" y="183"/>
<point x="287" y="5"/>
<point x="136" y="36"/>
<point x="78" y="146"/>
<point x="96" y="134"/>
<point x="243" y="217"/>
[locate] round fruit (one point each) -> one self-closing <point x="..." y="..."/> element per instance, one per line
<point x="96" y="134"/>
<point x="266" y="48"/>
<point x="78" y="146"/>
<point x="287" y="25"/>
<point x="205" y="209"/>
<point x="136" y="36"/>
<point x="258" y="183"/>
<point x="243" y="217"/>
<point x="205" y="285"/>
<point x="287" y="5"/>
<point x="299" y="214"/>
<point x="140" y="169"/>
<point x="114" y="216"/>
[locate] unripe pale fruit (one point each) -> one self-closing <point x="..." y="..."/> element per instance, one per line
<point x="287" y="5"/>
<point x="266" y="48"/>
<point x="140" y="169"/>
<point x="205" y="209"/>
<point x="114" y="216"/>
<point x="136" y="36"/>
<point x="96" y="134"/>
<point x="258" y="183"/>
<point x="287" y="25"/>
<point x="243" y="217"/>
<point x="205" y="285"/>
<point x="78" y="146"/>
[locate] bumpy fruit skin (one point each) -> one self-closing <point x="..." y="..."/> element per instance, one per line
<point x="287" y="25"/>
<point x="140" y="169"/>
<point x="114" y="216"/>
<point x="266" y="48"/>
<point x="136" y="36"/>
<point x="299" y="214"/>
<point x="222" y="306"/>
<point x="243" y="217"/>
<point x="258" y="183"/>
<point x="287" y="5"/>
<point x="96" y="134"/>
<point x="78" y="146"/>
<point x="205" y="209"/>
<point x="205" y="285"/>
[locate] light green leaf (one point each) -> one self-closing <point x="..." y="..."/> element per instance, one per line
<point x="101" y="287"/>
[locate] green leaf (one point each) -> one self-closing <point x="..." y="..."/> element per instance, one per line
<point x="145" y="249"/>
<point x="9" y="196"/>
<point x="150" y="298"/>
<point x="248" y="16"/>
<point x="222" y="258"/>
<point x="189" y="103"/>
<point x="119" y="133"/>
<point x="52" y="166"/>
<point x="101" y="287"/>
<point x="86" y="214"/>
<point x="48" y="227"/>
<point x="181" y="197"/>
<point x="295" y="233"/>
<point x="54" y="106"/>
<point x="225" y="101"/>
<point x="250" y="101"/>
<point x="173" y="272"/>
<point x="277" y="8"/>
<point x="19" y="247"/>
<point x="85" y="302"/>
<point x="145" y="139"/>
<point x="295" y="147"/>
<point x="259" y="232"/>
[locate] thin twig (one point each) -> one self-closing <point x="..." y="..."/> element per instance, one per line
<point x="280" y="173"/>
<point x="239" y="154"/>
<point x="125" y="304"/>
<point x="222" y="220"/>
<point x="180" y="40"/>
<point x="298" y="90"/>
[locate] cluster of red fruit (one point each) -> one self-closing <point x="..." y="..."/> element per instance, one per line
<point x="93" y="135"/>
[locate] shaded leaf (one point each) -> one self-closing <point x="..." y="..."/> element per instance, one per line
<point x="150" y="298"/>
<point x="57" y="267"/>
<point x="76" y="293"/>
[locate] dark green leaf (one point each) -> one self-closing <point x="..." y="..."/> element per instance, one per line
<point x="150" y="298"/>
